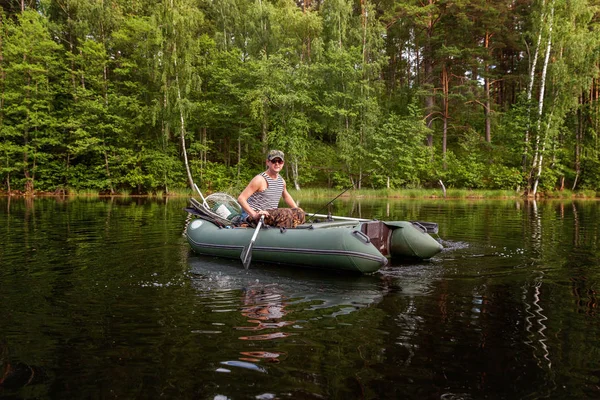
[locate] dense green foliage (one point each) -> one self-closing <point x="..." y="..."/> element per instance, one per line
<point x="135" y="96"/>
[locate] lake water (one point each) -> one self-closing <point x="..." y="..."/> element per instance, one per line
<point x="103" y="299"/>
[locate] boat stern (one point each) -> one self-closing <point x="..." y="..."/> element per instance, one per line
<point x="408" y="240"/>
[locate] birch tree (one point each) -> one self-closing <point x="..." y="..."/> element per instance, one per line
<point x="541" y="137"/>
<point x="567" y="70"/>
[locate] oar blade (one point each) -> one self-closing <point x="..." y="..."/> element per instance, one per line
<point x="246" y="255"/>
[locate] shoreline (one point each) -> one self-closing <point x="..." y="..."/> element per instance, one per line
<point x="404" y="194"/>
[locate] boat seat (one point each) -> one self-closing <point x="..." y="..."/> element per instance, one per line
<point x="379" y="234"/>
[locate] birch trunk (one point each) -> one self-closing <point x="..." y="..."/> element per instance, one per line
<point x="532" y="80"/>
<point x="538" y="156"/>
<point x="182" y="121"/>
<point x="535" y="56"/>
<point x="295" y="174"/>
<point x="544" y="143"/>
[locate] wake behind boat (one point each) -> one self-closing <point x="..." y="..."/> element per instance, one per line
<point x="352" y="245"/>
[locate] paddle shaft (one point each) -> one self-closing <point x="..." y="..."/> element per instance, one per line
<point x="246" y="255"/>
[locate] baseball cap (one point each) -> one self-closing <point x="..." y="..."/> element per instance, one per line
<point x="275" y="154"/>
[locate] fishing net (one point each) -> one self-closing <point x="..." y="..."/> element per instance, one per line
<point x="220" y="207"/>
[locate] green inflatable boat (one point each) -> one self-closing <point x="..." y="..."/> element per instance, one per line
<point x="351" y="245"/>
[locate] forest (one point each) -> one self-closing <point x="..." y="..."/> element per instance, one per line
<point x="146" y="96"/>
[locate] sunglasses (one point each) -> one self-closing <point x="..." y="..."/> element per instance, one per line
<point x="277" y="161"/>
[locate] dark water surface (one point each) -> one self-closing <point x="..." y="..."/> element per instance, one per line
<point x="102" y="299"/>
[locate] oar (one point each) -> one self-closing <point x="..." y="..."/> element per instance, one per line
<point x="246" y="255"/>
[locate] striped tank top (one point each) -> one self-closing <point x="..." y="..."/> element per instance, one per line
<point x="268" y="198"/>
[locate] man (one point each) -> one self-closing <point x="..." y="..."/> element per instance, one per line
<point x="265" y="189"/>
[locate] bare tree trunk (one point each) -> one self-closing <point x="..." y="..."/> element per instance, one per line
<point x="182" y="121"/>
<point x="183" y="148"/>
<point x="182" y="133"/>
<point x="359" y="178"/>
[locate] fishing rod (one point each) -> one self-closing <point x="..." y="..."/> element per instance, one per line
<point x="326" y="205"/>
<point x="345" y="190"/>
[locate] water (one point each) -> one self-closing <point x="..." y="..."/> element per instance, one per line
<point x="103" y="299"/>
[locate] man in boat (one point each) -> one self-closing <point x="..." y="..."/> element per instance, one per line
<point x="262" y="195"/>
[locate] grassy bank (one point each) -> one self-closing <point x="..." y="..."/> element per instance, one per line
<point x="437" y="194"/>
<point x="314" y="193"/>
<point x="95" y="194"/>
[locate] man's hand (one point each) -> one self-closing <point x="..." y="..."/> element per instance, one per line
<point x="257" y="215"/>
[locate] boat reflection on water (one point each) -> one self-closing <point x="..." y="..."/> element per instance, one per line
<point x="268" y="284"/>
<point x="265" y="307"/>
<point x="278" y="302"/>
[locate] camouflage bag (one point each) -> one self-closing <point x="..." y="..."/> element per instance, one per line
<point x="285" y="217"/>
